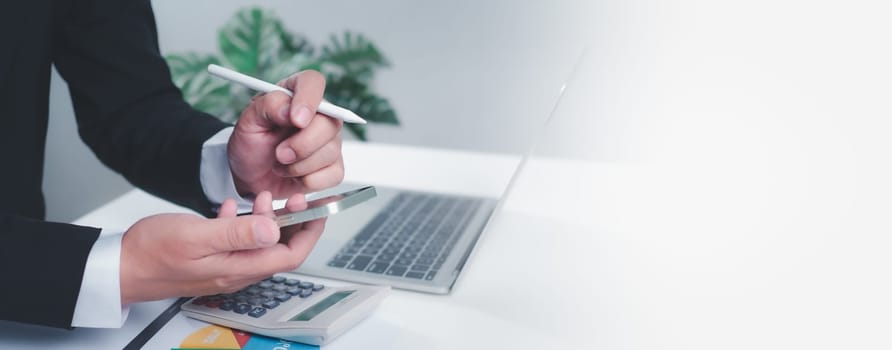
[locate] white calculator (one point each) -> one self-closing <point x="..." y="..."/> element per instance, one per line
<point x="287" y="307"/>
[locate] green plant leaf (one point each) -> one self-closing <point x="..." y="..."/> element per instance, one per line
<point x="251" y="40"/>
<point x="357" y="130"/>
<point x="294" y="43"/>
<point x="352" y="55"/>
<point x="199" y="89"/>
<point x="353" y="94"/>
<point x="288" y="66"/>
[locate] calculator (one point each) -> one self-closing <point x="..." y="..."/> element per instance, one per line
<point x="287" y="307"/>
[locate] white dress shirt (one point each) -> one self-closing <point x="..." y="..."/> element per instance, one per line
<point x="99" y="302"/>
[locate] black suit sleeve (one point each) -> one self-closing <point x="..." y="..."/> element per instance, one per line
<point x="43" y="265"/>
<point x="128" y="110"/>
<point x="132" y="116"/>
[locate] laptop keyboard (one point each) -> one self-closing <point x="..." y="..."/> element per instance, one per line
<point x="411" y="237"/>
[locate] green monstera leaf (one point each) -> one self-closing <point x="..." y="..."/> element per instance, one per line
<point x="255" y="42"/>
<point x="354" y="55"/>
<point x="251" y="40"/>
<point x="202" y="91"/>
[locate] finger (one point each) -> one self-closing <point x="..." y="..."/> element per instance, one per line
<point x="302" y="242"/>
<point x="327" y="177"/>
<point x="307" y="141"/>
<point x="268" y="111"/>
<point x="249" y="264"/>
<point x="325" y="156"/>
<point x="278" y="258"/>
<point x="234" y="234"/>
<point x="263" y="204"/>
<point x="228" y="209"/>
<point x="296" y="202"/>
<point x="308" y="87"/>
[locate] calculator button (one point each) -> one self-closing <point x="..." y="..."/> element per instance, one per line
<point x="268" y="293"/>
<point x="253" y="290"/>
<point x="291" y="282"/>
<point x="277" y="279"/>
<point x="265" y="284"/>
<point x="283" y="297"/>
<point x="226" y="306"/>
<point x="257" y="312"/>
<point x="270" y="304"/>
<point x="415" y="275"/>
<point x="257" y="300"/>
<point x="317" y="287"/>
<point x="292" y="290"/>
<point x="280" y="287"/>
<point x="305" y="285"/>
<point x="240" y="298"/>
<point x="305" y="293"/>
<point x="242" y="308"/>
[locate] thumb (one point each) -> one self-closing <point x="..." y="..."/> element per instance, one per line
<point x="240" y="233"/>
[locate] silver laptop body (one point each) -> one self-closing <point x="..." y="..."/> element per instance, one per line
<point x="406" y="239"/>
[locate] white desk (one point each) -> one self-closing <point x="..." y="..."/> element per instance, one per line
<point x="646" y="255"/>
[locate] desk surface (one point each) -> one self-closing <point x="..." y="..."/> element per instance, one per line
<point x="615" y="256"/>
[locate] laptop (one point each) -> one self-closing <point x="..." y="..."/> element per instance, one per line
<point x="407" y="239"/>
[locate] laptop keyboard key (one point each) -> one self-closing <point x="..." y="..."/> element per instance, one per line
<point x="360" y="263"/>
<point x="396" y="270"/>
<point x="378" y="267"/>
<point x="430" y="275"/>
<point x="415" y="275"/>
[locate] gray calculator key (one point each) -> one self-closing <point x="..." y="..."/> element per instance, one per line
<point x="283" y="297"/>
<point x="305" y="285"/>
<point x="257" y="312"/>
<point x="317" y="287"/>
<point x="268" y="293"/>
<point x="278" y="279"/>
<point x="418" y="267"/>
<point x="415" y="275"/>
<point x="293" y="290"/>
<point x="242" y="308"/>
<point x="279" y="287"/>
<point x="291" y="282"/>
<point x="265" y="284"/>
<point x="226" y="306"/>
<point x="253" y="290"/>
<point x="305" y="293"/>
<point x="256" y="300"/>
<point x="270" y="304"/>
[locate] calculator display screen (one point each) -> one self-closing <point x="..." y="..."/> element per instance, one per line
<point x="321" y="306"/>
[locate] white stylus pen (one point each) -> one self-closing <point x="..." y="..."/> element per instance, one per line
<point x="259" y="85"/>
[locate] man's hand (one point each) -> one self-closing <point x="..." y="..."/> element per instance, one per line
<point x="281" y="145"/>
<point x="171" y="255"/>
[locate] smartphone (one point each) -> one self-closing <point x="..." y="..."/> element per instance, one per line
<point x="323" y="207"/>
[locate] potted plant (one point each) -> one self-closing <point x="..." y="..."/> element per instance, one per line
<point x="255" y="42"/>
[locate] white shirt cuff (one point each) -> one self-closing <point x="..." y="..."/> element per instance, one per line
<point x="216" y="177"/>
<point x="99" y="301"/>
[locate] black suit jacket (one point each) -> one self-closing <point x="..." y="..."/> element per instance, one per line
<point x="128" y="112"/>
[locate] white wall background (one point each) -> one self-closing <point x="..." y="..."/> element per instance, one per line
<point x="474" y="75"/>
